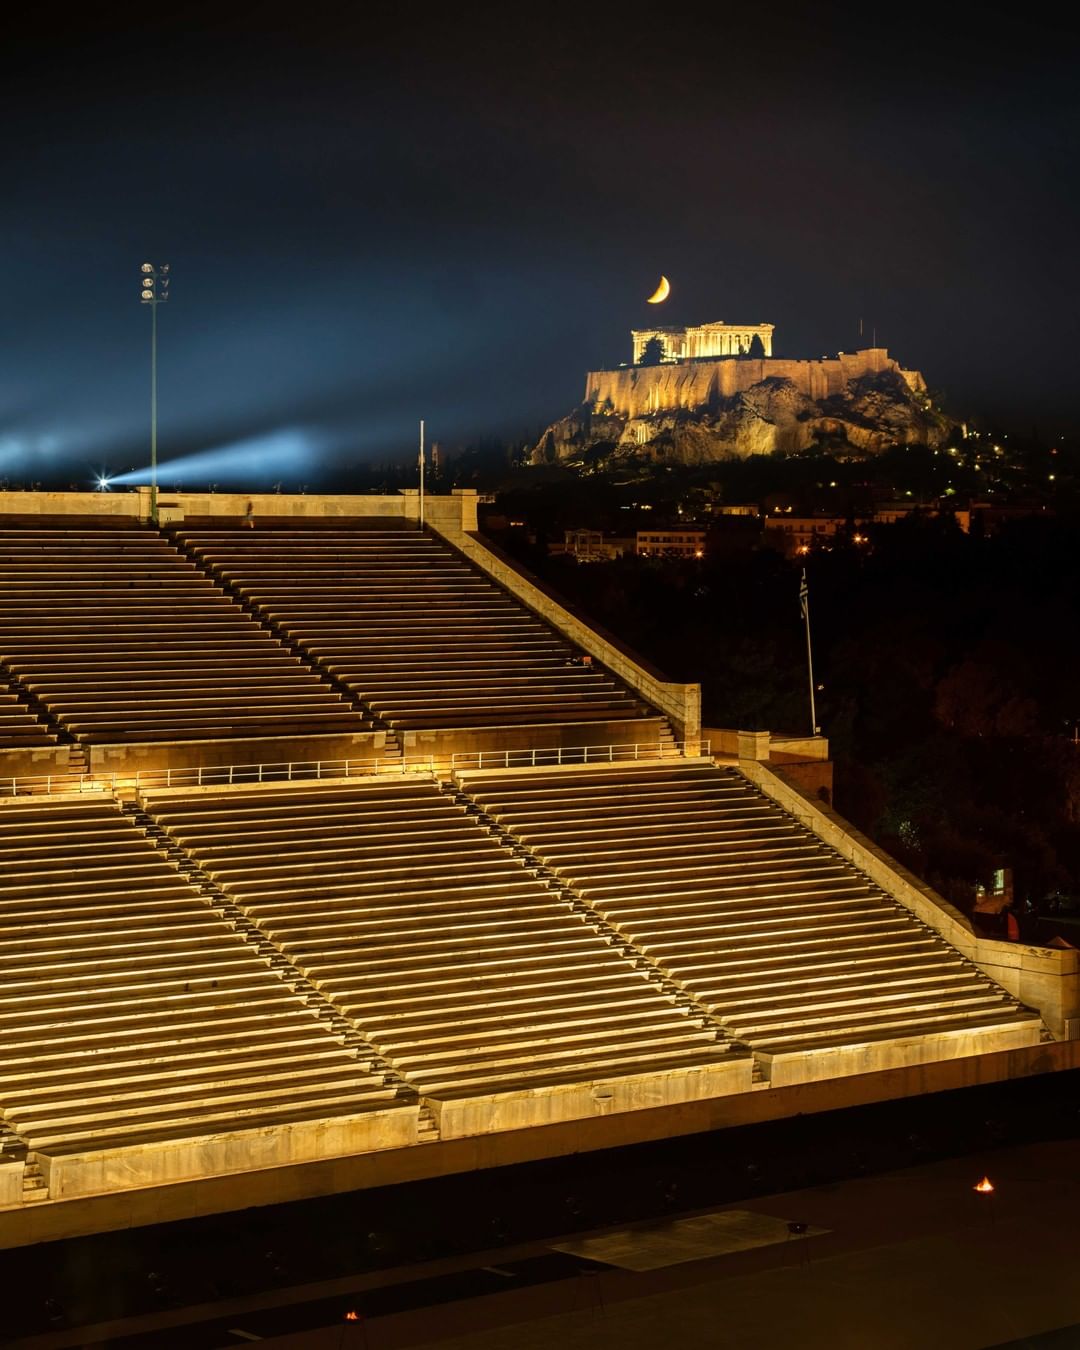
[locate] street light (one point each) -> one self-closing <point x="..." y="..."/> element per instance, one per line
<point x="153" y="291"/>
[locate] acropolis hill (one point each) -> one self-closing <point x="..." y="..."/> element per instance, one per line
<point x="707" y="397"/>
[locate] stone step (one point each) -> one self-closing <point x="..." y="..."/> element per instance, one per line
<point x="34" y="1187"/>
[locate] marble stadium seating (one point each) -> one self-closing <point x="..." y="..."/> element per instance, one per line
<point x="122" y="638"/>
<point x="464" y="969"/>
<point x="426" y="640"/>
<point x="785" y="942"/>
<point x="136" y="1021"/>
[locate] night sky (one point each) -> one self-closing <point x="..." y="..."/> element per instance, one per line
<point x="372" y="219"/>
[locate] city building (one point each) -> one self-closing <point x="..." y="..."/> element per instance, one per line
<point x="657" y="543"/>
<point x="594" y="545"/>
<point x="792" y="532"/>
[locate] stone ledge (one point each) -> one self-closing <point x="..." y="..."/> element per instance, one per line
<point x="101" y="1171"/>
<point x="495" y="1112"/>
<point x="11" y="1183"/>
<point x="131" y="757"/>
<point x="37" y="761"/>
<point x="808" y="1066"/>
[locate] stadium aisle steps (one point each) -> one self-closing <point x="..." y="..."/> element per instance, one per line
<point x="20" y="726"/>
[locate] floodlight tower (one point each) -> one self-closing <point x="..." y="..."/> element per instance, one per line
<point x="154" y="291"/>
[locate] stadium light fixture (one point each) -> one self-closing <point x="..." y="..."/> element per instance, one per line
<point x="103" y="482"/>
<point x="153" y="291"/>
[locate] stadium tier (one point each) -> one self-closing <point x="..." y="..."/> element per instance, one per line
<point x="781" y="938"/>
<point x="500" y="1000"/>
<point x="392" y="976"/>
<point x="140" y="1026"/>
<point x="121" y="638"/>
<point x="426" y="640"/>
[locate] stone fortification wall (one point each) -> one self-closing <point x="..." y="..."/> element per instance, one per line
<point x="636" y="391"/>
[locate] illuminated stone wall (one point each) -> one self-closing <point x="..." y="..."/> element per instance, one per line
<point x="636" y="391"/>
<point x="456" y="509"/>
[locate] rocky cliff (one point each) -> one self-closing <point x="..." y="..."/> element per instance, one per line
<point x="695" y="412"/>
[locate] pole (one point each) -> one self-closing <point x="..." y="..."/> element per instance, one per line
<point x="153" y="409"/>
<point x="804" y="597"/>
<point x="421" y="473"/>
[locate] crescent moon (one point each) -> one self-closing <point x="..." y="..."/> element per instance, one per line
<point x="661" y="293"/>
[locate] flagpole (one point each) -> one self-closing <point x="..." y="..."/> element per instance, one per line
<point x="421" y="473"/>
<point x="804" y="601"/>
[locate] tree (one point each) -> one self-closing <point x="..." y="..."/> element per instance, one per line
<point x="976" y="699"/>
<point x="757" y="347"/>
<point x="653" y="352"/>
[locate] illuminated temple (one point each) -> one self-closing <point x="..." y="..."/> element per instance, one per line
<point x="703" y="341"/>
<point x="337" y="852"/>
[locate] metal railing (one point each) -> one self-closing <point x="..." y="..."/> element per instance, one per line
<point x="215" y="775"/>
<point x="632" y="752"/>
<point x="121" y="783"/>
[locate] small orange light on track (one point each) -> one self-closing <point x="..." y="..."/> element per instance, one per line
<point x="985" y="1187"/>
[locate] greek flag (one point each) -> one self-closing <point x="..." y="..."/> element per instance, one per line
<point x="804" y="595"/>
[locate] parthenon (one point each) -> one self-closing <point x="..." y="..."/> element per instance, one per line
<point x="705" y="340"/>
